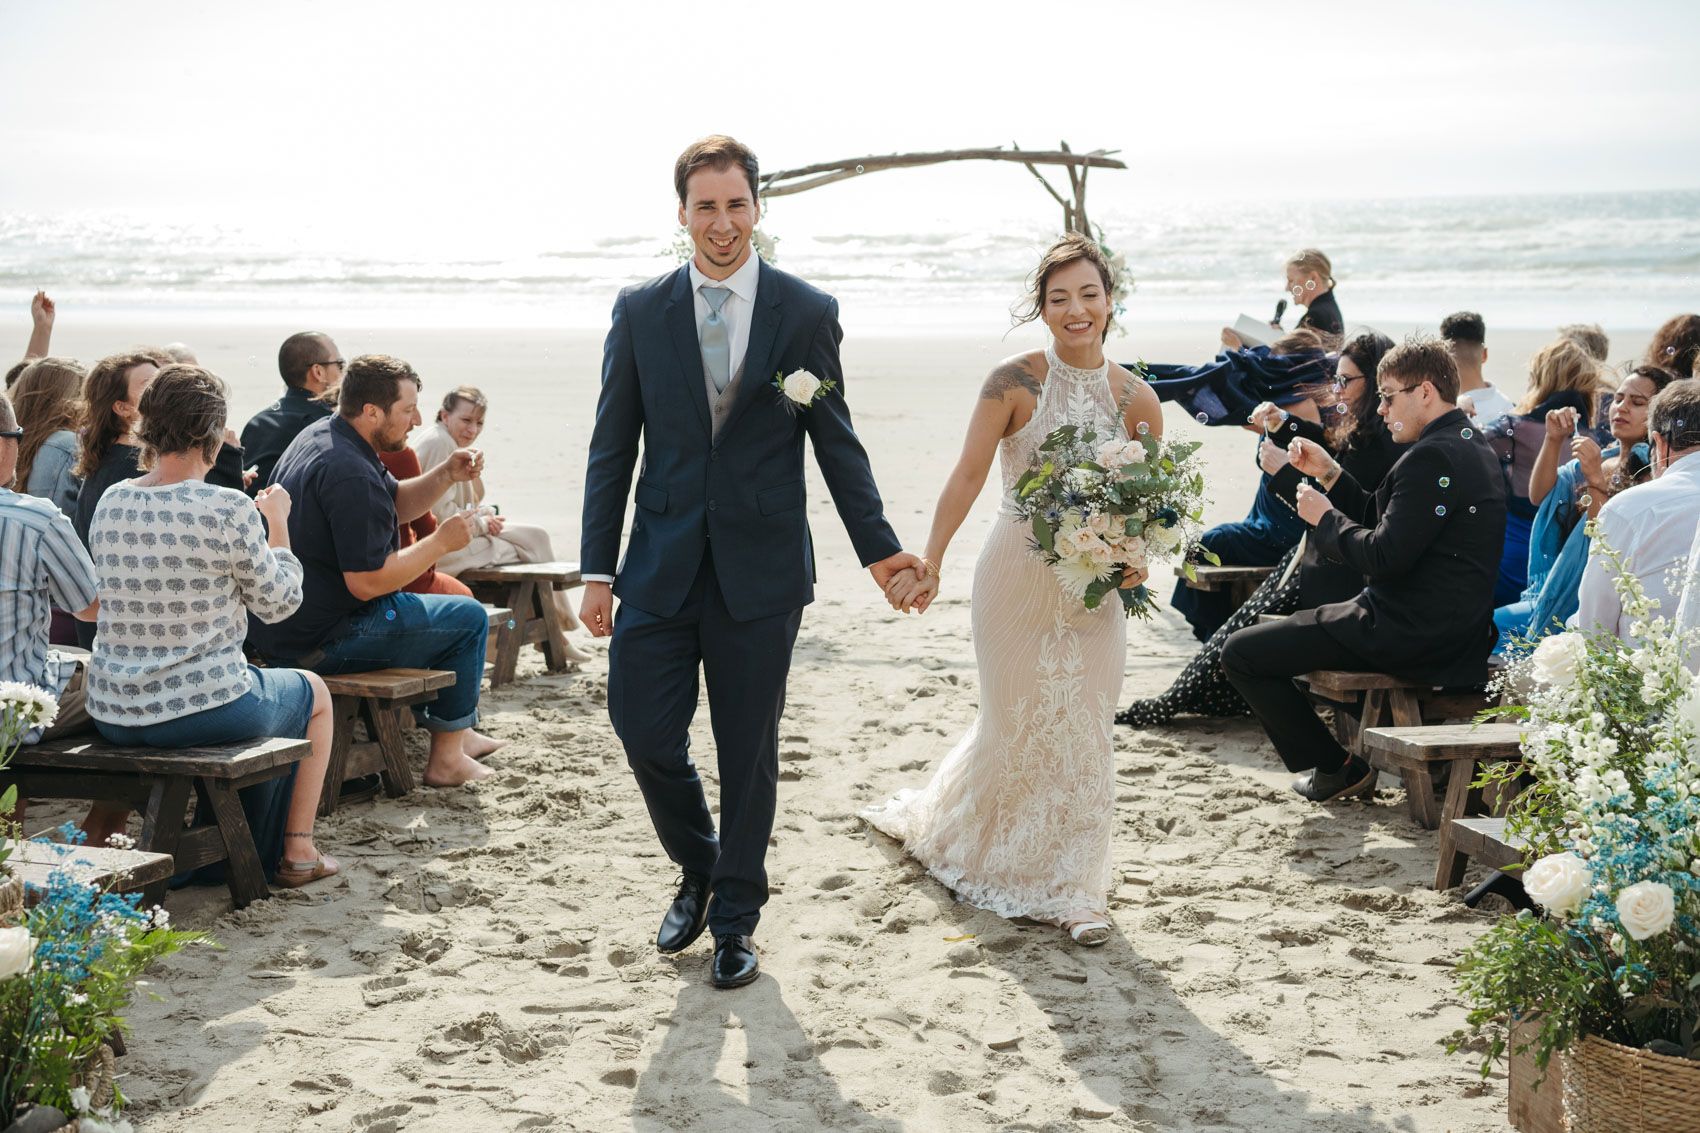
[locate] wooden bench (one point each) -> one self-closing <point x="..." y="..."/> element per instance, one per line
<point x="1412" y="752"/>
<point x="163" y="784"/>
<point x="1391" y="700"/>
<point x="1238" y="582"/>
<point x="528" y="589"/>
<point x="375" y="699"/>
<point x="118" y="871"/>
<point x="501" y="625"/>
<point x="1485" y="840"/>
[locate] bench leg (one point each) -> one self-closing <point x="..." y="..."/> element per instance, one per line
<point x="493" y="651"/>
<point x="162" y="825"/>
<point x="507" y="650"/>
<point x="386" y="729"/>
<point x="1449" y="871"/>
<point x="242" y="868"/>
<point x="554" y="641"/>
<point x="1419" y="785"/>
<point x="343" y="712"/>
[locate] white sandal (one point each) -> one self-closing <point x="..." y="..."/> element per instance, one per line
<point x="1088" y="934"/>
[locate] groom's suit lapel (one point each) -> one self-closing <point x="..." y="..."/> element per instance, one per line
<point x="759" y="354"/>
<point x="681" y="319"/>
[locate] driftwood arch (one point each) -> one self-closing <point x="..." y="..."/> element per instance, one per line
<point x="1077" y="165"/>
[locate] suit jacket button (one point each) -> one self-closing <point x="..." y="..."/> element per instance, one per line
<point x="710" y="505"/>
<point x="714" y="454"/>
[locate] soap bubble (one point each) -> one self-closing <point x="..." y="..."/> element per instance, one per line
<point x="1398" y="426"/>
<point x="389" y="615"/>
<point x="1440" y="509"/>
<point x="1586" y="502"/>
<point x="1310" y="285"/>
<point x="1446" y="481"/>
<point x="1203" y="418"/>
<point x="1670" y="352"/>
<point x="858" y="169"/>
<point x="1143" y="429"/>
<point x="1466" y="433"/>
<point x="1472" y="509"/>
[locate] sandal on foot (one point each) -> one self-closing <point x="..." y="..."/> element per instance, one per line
<point x="1089" y="934"/>
<point x="293" y="875"/>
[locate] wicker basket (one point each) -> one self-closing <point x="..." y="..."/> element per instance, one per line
<point x="1617" y="1089"/>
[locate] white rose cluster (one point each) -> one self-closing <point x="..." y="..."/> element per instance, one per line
<point x="1646" y="909"/>
<point x="1558" y="883"/>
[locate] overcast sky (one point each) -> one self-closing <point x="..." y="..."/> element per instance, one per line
<point x="562" y="119"/>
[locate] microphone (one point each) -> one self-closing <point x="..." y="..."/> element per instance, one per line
<point x="1280" y="309"/>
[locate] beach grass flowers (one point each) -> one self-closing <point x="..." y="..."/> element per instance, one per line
<point x="1612" y="823"/>
<point x="1101" y="507"/>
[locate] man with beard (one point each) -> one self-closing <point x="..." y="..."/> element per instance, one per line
<point x="354" y="616"/>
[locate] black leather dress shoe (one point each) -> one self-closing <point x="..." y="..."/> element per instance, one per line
<point x="688" y="915"/>
<point x="1355" y="777"/>
<point x="735" y="962"/>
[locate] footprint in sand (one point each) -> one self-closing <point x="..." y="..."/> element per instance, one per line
<point x="835" y="882"/>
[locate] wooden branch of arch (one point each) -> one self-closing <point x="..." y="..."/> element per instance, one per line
<point x="788" y="181"/>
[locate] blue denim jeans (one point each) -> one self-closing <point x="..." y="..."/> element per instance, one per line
<point x="418" y="631"/>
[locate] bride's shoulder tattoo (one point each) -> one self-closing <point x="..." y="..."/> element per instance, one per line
<point x="1008" y="377"/>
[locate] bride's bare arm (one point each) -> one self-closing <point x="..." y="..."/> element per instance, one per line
<point x="1140" y="406"/>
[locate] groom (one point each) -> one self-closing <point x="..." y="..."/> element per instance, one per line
<point x="720" y="563"/>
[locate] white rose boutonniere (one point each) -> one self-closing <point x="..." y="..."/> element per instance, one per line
<point x="801" y="389"/>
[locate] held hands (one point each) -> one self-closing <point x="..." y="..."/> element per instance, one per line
<point x="1561" y="423"/>
<point x="596" y="609"/>
<point x="1311" y="459"/>
<point x="273" y="504"/>
<point x="1271" y="457"/>
<point x="912" y="591"/>
<point x="886" y="569"/>
<point x="1313" y="504"/>
<point x="466" y="464"/>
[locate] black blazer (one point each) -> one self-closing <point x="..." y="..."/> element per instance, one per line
<point x="1370" y="453"/>
<point x="1428" y="544"/>
<point x="743" y="490"/>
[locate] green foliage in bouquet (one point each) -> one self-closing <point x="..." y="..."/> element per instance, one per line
<point x="1613" y="827"/>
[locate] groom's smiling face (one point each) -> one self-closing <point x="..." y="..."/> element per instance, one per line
<point x="720" y="212"/>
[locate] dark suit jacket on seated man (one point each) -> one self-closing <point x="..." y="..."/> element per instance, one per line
<point x="344" y="526"/>
<point x="1428" y="545"/>
<point x="310" y="365"/>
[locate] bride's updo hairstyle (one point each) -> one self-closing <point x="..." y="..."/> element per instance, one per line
<point x="1072" y="248"/>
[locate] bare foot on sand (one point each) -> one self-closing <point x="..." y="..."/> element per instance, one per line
<point x="454" y="770"/>
<point x="477" y="746"/>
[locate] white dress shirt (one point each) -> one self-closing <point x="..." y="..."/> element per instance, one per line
<point x="1651" y="526"/>
<point x="1491" y="405"/>
<point x="736" y="311"/>
<point x="1688" y="608"/>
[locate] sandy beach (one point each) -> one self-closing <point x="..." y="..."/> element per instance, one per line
<point x="487" y="960"/>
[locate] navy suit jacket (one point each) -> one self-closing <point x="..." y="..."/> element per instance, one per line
<point x="741" y="492"/>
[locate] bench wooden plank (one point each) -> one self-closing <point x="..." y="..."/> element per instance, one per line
<point x="214" y="761"/>
<point x="389" y="684"/>
<point x="375" y="699"/>
<point x="116" y="870"/>
<point x="562" y="575"/>
<point x="1485" y="840"/>
<point x="1443" y="743"/>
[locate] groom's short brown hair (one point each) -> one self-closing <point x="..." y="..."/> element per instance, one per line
<point x="1420" y="359"/>
<point x="717" y="152"/>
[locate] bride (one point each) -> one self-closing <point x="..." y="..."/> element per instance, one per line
<point x="1017" y="818"/>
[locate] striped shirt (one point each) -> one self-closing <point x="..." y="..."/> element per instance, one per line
<point x="42" y="565"/>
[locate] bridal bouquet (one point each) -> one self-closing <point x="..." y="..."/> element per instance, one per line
<point x="1100" y="506"/>
<point x="1612" y="823"/>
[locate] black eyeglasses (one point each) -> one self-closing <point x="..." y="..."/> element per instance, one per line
<point x="12" y="434"/>
<point x="337" y="362"/>
<point x="1388" y="395"/>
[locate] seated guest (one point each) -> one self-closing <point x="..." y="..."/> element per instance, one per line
<point x="1427" y="544"/>
<point x="1651" y="525"/>
<point x="345" y="521"/>
<point x="45" y="399"/>
<point x="180" y="563"/>
<point x="403" y="464"/>
<point x="499" y="540"/>
<point x="1562" y="375"/>
<point x="1590" y="337"/>
<point x="1465" y="335"/>
<point x="41" y="336"/>
<point x="1270" y="529"/>
<point x="1568" y="496"/>
<point x="310" y="365"/>
<point x="1676" y="346"/>
<point x="42" y="565"/>
<point x="1358" y="438"/>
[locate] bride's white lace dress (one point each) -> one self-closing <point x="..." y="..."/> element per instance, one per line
<point x="1018" y="817"/>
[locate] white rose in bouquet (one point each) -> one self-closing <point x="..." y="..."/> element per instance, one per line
<point x="17" y="951"/>
<point x="801" y="386"/>
<point x="1559" y="658"/>
<point x="1558" y="883"/>
<point x="1165" y="539"/>
<point x="1646" y="908"/>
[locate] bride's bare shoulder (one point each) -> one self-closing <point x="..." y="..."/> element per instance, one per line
<point x="1015" y="376"/>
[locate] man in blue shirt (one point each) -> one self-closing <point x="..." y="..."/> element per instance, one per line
<point x="310" y="365"/>
<point x="343" y="526"/>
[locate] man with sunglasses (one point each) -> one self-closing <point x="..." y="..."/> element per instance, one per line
<point x="1428" y="544"/>
<point x="309" y="364"/>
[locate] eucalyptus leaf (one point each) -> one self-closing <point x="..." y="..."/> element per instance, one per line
<point x="1042" y="532"/>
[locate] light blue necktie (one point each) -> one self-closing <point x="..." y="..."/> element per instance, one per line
<point x="716" y="339"/>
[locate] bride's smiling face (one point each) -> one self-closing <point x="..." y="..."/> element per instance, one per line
<point x="1077" y="307"/>
<point x="720" y="212"/>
